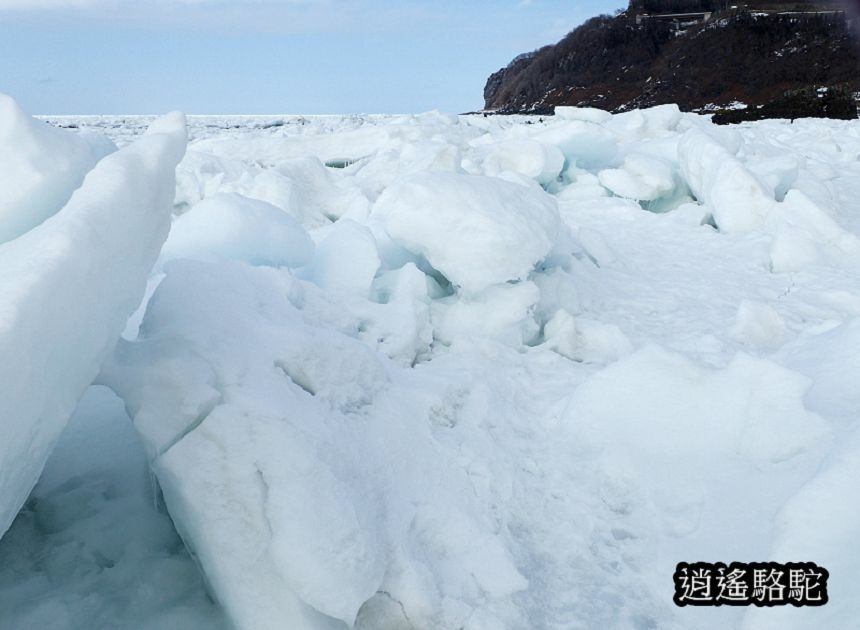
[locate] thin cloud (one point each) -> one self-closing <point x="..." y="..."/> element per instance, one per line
<point x="38" y="5"/>
<point x="41" y="5"/>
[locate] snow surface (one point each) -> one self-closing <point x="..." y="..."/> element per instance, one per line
<point x="499" y="373"/>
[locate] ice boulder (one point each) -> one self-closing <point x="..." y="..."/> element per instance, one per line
<point x="202" y="175"/>
<point x="737" y="199"/>
<point x="346" y="259"/>
<point x="583" y="144"/>
<point x="798" y="213"/>
<point x="477" y="231"/>
<point x="231" y="226"/>
<point x="540" y="162"/>
<point x="316" y="191"/>
<point x="587" y="114"/>
<point x="41" y="165"/>
<point x="68" y="287"/>
<point x="637" y="124"/>
<point x="642" y="177"/>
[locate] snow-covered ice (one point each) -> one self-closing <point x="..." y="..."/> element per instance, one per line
<point x="426" y="371"/>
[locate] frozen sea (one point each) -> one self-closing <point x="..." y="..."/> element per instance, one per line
<point x="425" y="371"/>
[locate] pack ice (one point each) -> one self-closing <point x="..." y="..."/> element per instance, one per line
<point x="429" y="371"/>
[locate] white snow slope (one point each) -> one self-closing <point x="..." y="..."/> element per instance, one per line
<point x="69" y="284"/>
<point x="503" y="373"/>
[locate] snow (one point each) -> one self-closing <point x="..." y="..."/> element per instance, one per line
<point x="69" y="286"/>
<point x="481" y="373"/>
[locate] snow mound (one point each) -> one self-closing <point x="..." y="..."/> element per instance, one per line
<point x="69" y="286"/>
<point x="261" y="438"/>
<point x="477" y="231"/>
<point x="501" y="312"/>
<point x="759" y="324"/>
<point x="41" y="165"/>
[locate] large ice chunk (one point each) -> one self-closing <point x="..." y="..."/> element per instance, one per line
<point x="478" y="231"/>
<point x="235" y="227"/>
<point x="737" y="199"/>
<point x="298" y="463"/>
<point x="68" y="287"/>
<point x="642" y="177"/>
<point x="541" y="162"/>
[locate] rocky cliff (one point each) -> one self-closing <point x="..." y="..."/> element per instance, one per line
<point x="711" y="57"/>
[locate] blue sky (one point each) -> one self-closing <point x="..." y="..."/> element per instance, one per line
<point x="269" y="56"/>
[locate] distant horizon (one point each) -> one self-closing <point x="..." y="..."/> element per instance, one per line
<point x="253" y="57"/>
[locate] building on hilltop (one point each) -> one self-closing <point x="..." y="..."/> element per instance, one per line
<point x="679" y="7"/>
<point x="662" y="9"/>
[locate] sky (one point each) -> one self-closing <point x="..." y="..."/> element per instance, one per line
<point x="269" y="56"/>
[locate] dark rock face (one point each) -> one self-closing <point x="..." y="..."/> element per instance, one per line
<point x="752" y="53"/>
<point x="826" y="102"/>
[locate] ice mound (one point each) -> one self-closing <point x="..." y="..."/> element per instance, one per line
<point x="642" y="177"/>
<point x="477" y="231"/>
<point x="584" y="144"/>
<point x="642" y="123"/>
<point x="234" y="227"/>
<point x="261" y="438"/>
<point x="541" y="162"/>
<point x="587" y="114"/>
<point x="737" y="199"/>
<point x="41" y="166"/>
<point x="69" y="286"/>
<point x="346" y="259"/>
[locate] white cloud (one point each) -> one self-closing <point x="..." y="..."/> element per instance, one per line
<point x="32" y="5"/>
<point x="38" y="5"/>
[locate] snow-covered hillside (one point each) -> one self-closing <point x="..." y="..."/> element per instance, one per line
<point x="433" y="372"/>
